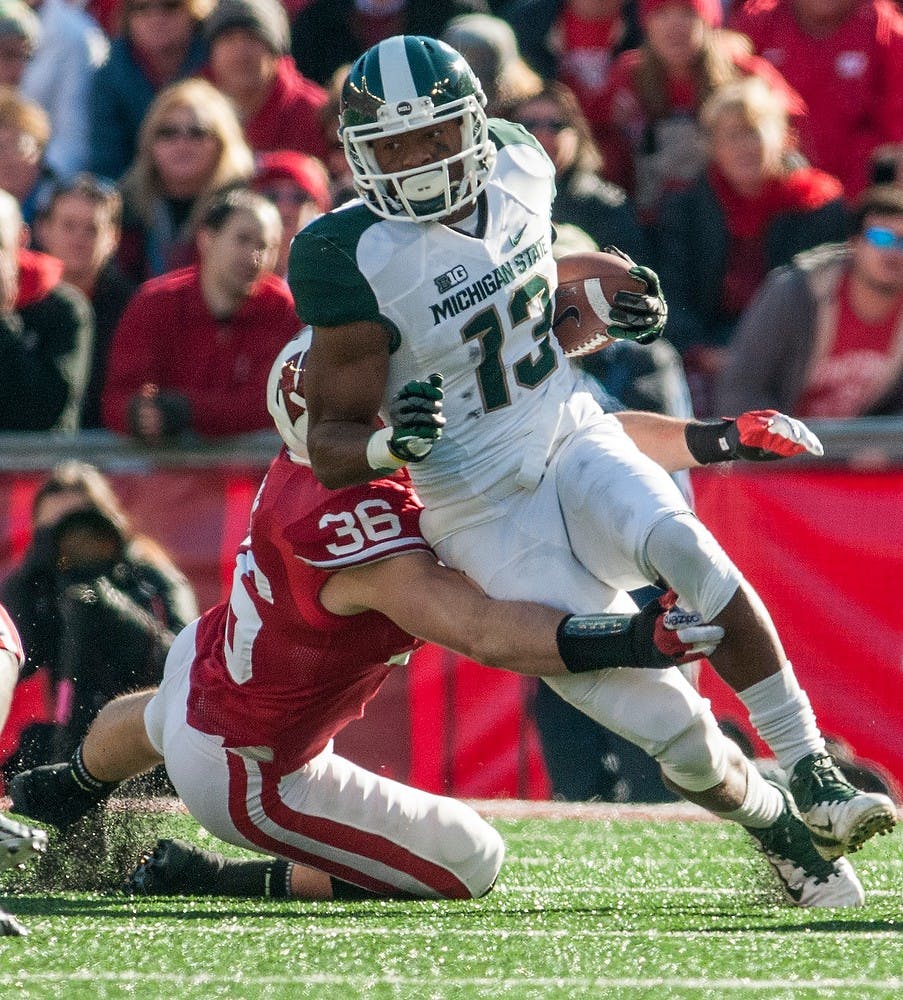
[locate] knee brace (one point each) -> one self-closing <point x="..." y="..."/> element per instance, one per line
<point x="697" y="758"/>
<point x="683" y="552"/>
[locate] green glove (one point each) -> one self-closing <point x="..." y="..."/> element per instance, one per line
<point x="415" y="415"/>
<point x="638" y="316"/>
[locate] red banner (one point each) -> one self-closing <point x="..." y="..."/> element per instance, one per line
<point x="824" y="550"/>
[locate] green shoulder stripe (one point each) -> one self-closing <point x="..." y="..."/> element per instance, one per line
<point x="328" y="287"/>
<point x="505" y="133"/>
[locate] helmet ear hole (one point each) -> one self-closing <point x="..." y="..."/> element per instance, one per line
<point x="285" y="394"/>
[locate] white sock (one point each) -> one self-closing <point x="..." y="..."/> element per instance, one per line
<point x="780" y="711"/>
<point x="762" y="804"/>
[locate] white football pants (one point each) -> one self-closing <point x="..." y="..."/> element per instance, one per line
<point x="330" y="814"/>
<point x="579" y="541"/>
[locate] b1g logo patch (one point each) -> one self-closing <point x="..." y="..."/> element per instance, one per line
<point x="451" y="278"/>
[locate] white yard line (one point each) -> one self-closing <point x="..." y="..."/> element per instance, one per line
<point x="493" y="984"/>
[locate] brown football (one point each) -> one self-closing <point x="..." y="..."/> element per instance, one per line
<point x="587" y="284"/>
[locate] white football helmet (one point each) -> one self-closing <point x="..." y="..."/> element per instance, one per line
<point x="405" y="83"/>
<point x="285" y="395"/>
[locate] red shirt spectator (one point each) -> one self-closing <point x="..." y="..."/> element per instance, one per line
<point x="847" y="63"/>
<point x="646" y="119"/>
<point x="227" y="317"/>
<point x="248" y="61"/>
<point x="590" y="35"/>
<point x="290" y="117"/>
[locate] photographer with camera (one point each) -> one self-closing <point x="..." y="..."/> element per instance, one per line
<point x="97" y="606"/>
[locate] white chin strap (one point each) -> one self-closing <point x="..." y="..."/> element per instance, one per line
<point x="424" y="187"/>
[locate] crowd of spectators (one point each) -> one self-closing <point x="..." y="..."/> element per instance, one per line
<point x="715" y="140"/>
<point x="158" y="156"/>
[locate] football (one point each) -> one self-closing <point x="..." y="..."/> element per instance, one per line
<point x="587" y="284"/>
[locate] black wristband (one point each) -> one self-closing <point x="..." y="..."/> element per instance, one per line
<point x="708" y="442"/>
<point x="596" y="642"/>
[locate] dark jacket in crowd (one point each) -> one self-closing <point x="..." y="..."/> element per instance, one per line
<point x="602" y="210"/>
<point x="121" y="93"/>
<point x="326" y="34"/>
<point x="99" y="626"/>
<point x="45" y="349"/>
<point x="692" y="253"/>
<point x="112" y="293"/>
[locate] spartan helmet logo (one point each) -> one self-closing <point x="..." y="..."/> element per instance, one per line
<point x="291" y="385"/>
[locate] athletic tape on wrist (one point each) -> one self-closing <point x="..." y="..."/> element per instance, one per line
<point x="379" y="457"/>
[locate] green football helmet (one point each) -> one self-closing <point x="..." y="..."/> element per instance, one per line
<point x="405" y="83"/>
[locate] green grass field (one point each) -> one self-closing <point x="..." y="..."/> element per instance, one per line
<point x="585" y="907"/>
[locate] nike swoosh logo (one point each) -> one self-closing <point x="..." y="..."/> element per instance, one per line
<point x="795" y="894"/>
<point x="516" y="238"/>
<point x="825" y="827"/>
<point x="572" y="312"/>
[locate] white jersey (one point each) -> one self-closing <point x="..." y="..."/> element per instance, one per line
<point x="475" y="308"/>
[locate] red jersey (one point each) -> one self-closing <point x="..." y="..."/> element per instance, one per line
<point x="856" y="364"/>
<point x="273" y="668"/>
<point x="851" y="80"/>
<point x="9" y="637"/>
<point x="167" y="336"/>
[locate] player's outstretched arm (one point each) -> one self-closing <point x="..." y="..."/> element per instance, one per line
<point x="755" y="436"/>
<point x="441" y="606"/>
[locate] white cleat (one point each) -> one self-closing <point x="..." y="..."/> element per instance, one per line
<point x="840" y="817"/>
<point x="806" y="878"/>
<point x="19" y="842"/>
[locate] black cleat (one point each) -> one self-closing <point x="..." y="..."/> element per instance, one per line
<point x="51" y="795"/>
<point x="176" y="868"/>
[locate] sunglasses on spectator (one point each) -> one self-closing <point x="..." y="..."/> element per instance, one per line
<point x="169" y="132"/>
<point x="296" y="197"/>
<point x="884" y="239"/>
<point x="144" y="6"/>
<point x="555" y="125"/>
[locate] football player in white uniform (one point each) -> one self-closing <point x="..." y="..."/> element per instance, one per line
<point x="17" y="842"/>
<point x="444" y="264"/>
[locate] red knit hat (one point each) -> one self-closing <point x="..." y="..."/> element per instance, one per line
<point x="305" y="171"/>
<point x="709" y="10"/>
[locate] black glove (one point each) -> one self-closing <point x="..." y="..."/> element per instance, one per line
<point x="173" y="407"/>
<point x="638" y="316"/>
<point x="415" y="415"/>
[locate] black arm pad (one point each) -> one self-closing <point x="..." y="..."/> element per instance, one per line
<point x="594" y="642"/>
